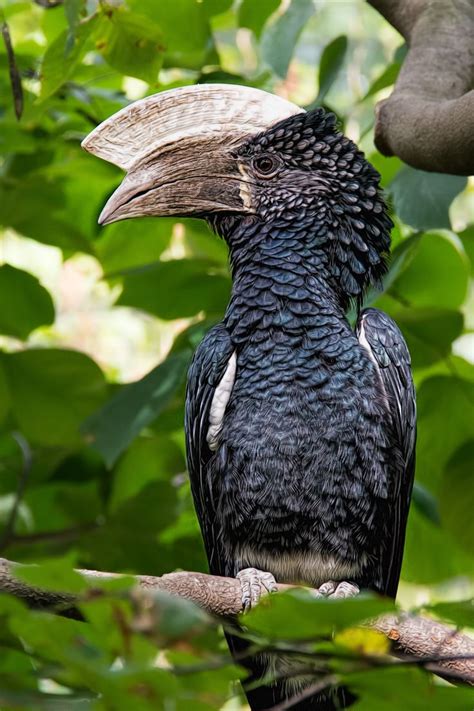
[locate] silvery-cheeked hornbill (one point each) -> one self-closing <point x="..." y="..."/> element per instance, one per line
<point x="300" y="431"/>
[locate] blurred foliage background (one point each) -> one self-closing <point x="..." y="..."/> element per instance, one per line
<point x="98" y="325"/>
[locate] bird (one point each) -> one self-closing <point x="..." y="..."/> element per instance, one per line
<point x="300" y="428"/>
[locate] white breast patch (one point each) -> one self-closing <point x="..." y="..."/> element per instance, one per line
<point x="219" y="402"/>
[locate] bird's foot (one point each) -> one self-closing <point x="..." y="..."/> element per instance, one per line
<point x="253" y="583"/>
<point x="336" y="590"/>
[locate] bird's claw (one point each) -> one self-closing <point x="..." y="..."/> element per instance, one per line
<point x="253" y="582"/>
<point x="335" y="590"/>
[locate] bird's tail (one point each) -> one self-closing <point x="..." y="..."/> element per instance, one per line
<point x="296" y="691"/>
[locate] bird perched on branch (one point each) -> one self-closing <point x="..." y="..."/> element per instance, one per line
<point x="300" y="430"/>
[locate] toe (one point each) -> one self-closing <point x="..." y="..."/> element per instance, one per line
<point x="327" y="588"/>
<point x="345" y="590"/>
<point x="252" y="581"/>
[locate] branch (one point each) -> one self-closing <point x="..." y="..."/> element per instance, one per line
<point x="428" y="121"/>
<point x="451" y="654"/>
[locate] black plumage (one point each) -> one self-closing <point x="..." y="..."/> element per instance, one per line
<point x="311" y="471"/>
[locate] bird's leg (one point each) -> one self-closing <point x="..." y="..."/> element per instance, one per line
<point x="335" y="590"/>
<point x="253" y="582"/>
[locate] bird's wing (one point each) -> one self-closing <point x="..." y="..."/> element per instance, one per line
<point x="382" y="338"/>
<point x="210" y="381"/>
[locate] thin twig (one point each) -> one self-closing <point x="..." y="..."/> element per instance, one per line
<point x="15" y="79"/>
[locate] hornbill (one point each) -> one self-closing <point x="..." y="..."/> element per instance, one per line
<point x="300" y="431"/>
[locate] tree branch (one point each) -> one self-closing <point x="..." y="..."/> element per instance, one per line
<point x="450" y="653"/>
<point x="428" y="121"/>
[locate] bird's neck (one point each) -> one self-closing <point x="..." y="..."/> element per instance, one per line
<point x="282" y="282"/>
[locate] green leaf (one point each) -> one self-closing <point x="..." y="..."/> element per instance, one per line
<point x="73" y="10"/>
<point x="330" y="65"/>
<point x="403" y="687"/>
<point x="131" y="43"/>
<point x="29" y="303"/>
<point x="280" y="37"/>
<point x="5" y="399"/>
<point x="133" y="243"/>
<point x="190" y="283"/>
<point x="183" y="47"/>
<point x="429" y="332"/>
<point x="145" y="461"/>
<point x="445" y="423"/>
<point x="122" y="418"/>
<point x="57" y="574"/>
<point x="422" y="199"/>
<point x="467" y="238"/>
<point x="432" y="555"/>
<point x="254" y="15"/>
<point x="216" y="7"/>
<point x="386" y="78"/>
<point x="460" y="613"/>
<point x="41" y="217"/>
<point x="61" y="59"/>
<point x="299" y="615"/>
<point x="441" y="260"/>
<point x="55" y="390"/>
<point x="426" y="503"/>
<point x="456" y="494"/>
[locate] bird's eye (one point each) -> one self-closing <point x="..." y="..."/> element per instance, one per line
<point x="265" y="165"/>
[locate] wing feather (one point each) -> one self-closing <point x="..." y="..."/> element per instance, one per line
<point x="206" y="371"/>
<point x="382" y="338"/>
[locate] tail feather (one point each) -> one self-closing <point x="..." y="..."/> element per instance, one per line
<point x="265" y="697"/>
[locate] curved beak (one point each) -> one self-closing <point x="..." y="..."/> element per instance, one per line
<point x="187" y="177"/>
<point x="177" y="149"/>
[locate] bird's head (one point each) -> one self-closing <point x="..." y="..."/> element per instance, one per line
<point x="233" y="154"/>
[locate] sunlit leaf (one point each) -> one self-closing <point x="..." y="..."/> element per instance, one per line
<point x="280" y="37"/>
<point x="299" y="615"/>
<point x="146" y="460"/>
<point x="131" y="43"/>
<point x="63" y="56"/>
<point x="330" y="65"/>
<point x="456" y="494"/>
<point x="191" y="282"/>
<point x="112" y="428"/>
<point x="422" y="199"/>
<point x="55" y="390"/>
<point x="255" y="14"/>
<point x="27" y="304"/>
<point x="442" y="262"/>
<point x="460" y="613"/>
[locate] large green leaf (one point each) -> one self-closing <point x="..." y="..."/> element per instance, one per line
<point x="299" y="615"/>
<point x="444" y="267"/>
<point x="330" y="65"/>
<point x="131" y="43"/>
<point x="55" y="390"/>
<point x="445" y="423"/>
<point x="111" y="429"/>
<point x="397" y="687"/>
<point x="422" y="199"/>
<point x="429" y="332"/>
<point x="176" y="289"/>
<point x="254" y="15"/>
<point x="63" y="56"/>
<point x="280" y="37"/>
<point x="133" y="243"/>
<point x="43" y="216"/>
<point x="186" y="33"/>
<point x="28" y="305"/>
<point x="460" y="613"/>
<point x="431" y="554"/>
<point x="146" y="460"/>
<point x="456" y="495"/>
